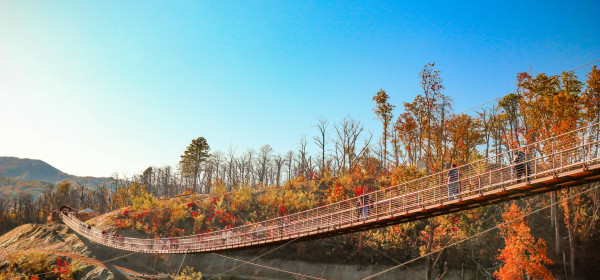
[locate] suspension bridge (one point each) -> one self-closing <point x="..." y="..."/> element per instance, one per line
<point x="566" y="160"/>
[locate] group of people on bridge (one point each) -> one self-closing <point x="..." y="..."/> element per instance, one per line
<point x="364" y="204"/>
<point x="521" y="167"/>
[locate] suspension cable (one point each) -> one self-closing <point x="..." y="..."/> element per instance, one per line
<point x="268" y="252"/>
<point x="483" y="232"/>
<point x="497" y="98"/>
<point x="268" y="267"/>
<point x="182" y="260"/>
<point x="405" y="133"/>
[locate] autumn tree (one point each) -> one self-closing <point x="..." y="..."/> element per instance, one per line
<point x="591" y="96"/>
<point x="146" y="179"/>
<point x="523" y="257"/>
<point x="464" y="135"/>
<point x="432" y="86"/>
<point x="438" y="232"/>
<point x="64" y="193"/>
<point x="550" y="104"/>
<point x="406" y="127"/>
<point x="193" y="158"/>
<point x="510" y="120"/>
<point x="383" y="110"/>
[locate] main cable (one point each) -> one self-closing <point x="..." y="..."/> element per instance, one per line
<point x="182" y="260"/>
<point x="269" y="267"/>
<point x="497" y="98"/>
<point x="268" y="252"/>
<point x="405" y="133"/>
<point x="482" y="232"/>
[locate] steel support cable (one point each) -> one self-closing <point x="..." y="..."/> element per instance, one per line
<point x="304" y="221"/>
<point x="344" y="261"/>
<point x="213" y="195"/>
<point x="268" y="252"/>
<point x="484" y="231"/>
<point x="182" y="260"/>
<point x="268" y="267"/>
<point x="446" y="118"/>
<point x="474" y="107"/>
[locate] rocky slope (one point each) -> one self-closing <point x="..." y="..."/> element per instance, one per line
<point x="59" y="240"/>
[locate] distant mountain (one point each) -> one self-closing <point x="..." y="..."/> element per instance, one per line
<point x="30" y="169"/>
<point x="33" y="175"/>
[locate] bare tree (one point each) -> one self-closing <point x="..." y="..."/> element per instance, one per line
<point x="279" y="160"/>
<point x="303" y="156"/>
<point x="289" y="157"/>
<point x="321" y="141"/>
<point x="347" y="135"/>
<point x="264" y="159"/>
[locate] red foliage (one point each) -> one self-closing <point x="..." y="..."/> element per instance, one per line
<point x="282" y="210"/>
<point x="62" y="267"/>
<point x="358" y="190"/>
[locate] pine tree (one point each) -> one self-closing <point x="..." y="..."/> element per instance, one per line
<point x="191" y="160"/>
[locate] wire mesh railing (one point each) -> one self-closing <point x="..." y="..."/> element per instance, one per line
<point x="551" y="157"/>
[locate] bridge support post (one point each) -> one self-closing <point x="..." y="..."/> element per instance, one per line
<point x="390" y="202"/>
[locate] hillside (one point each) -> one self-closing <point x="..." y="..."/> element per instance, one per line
<point x="33" y="175"/>
<point x="91" y="261"/>
<point x="12" y="186"/>
<point x="30" y="169"/>
<point x="29" y="242"/>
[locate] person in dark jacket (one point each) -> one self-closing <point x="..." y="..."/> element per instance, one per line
<point x="453" y="177"/>
<point x="521" y="164"/>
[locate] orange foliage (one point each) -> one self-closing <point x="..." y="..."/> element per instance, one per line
<point x="522" y="256"/>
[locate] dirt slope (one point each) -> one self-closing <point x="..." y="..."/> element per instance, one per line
<point x="60" y="240"/>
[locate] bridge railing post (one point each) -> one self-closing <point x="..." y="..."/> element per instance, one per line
<point x="404" y="198"/>
<point x="376" y="204"/>
<point x="394" y="192"/>
<point x="552" y="159"/>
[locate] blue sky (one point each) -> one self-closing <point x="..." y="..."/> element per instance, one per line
<point x="97" y="87"/>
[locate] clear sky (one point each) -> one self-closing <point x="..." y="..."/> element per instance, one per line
<point x="97" y="87"/>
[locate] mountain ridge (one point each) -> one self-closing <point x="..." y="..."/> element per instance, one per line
<point x="23" y="174"/>
<point x="26" y="169"/>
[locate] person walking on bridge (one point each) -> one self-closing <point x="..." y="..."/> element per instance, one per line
<point x="521" y="164"/>
<point x="359" y="204"/>
<point x="453" y="177"/>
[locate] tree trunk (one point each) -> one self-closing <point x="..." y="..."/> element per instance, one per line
<point x="572" y="248"/>
<point x="428" y="267"/>
<point x="554" y="220"/>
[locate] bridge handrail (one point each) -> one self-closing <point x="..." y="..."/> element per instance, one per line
<point x="565" y="151"/>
